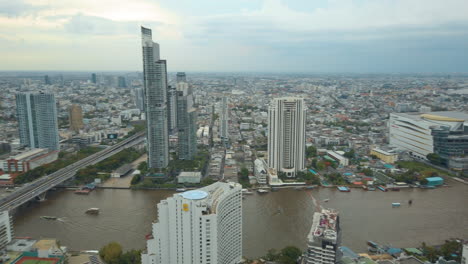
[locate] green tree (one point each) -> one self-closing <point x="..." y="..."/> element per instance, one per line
<point x="311" y="152"/>
<point x="136" y="179"/>
<point x="289" y="255"/>
<point x="130" y="257"/>
<point x="272" y="255"/>
<point x="111" y="253"/>
<point x="434" y="158"/>
<point x="349" y="154"/>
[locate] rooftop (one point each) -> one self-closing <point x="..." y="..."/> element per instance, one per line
<point x="194" y="195"/>
<point x="437" y="116"/>
<point x="324" y="225"/>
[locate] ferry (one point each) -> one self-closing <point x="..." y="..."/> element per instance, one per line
<point x="83" y="191"/>
<point x="382" y="188"/>
<point x="262" y="191"/>
<point x="371" y="188"/>
<point x="46" y="217"/>
<point x="396" y="204"/>
<point x="181" y="190"/>
<point x="92" y="211"/>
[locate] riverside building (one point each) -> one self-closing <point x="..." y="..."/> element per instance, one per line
<point x="201" y="226"/>
<point x="324" y="238"/>
<point x="155" y="82"/>
<point x="286" y="135"/>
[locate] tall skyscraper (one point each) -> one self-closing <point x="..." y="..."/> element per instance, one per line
<point x="6" y="231"/>
<point x="139" y="96"/>
<point x="47" y="80"/>
<point x="75" y="114"/>
<point x="180" y="77"/>
<point x="121" y="82"/>
<point x="202" y="226"/>
<point x="186" y="122"/>
<point x="324" y="238"/>
<point x="172" y="108"/>
<point x="286" y="135"/>
<point x="224" y="119"/>
<point x="93" y="78"/>
<point x="155" y="81"/>
<point x="37" y="120"/>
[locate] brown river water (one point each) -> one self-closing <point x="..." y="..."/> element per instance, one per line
<point x="272" y="220"/>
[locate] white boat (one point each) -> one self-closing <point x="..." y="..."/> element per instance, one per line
<point x="181" y="190"/>
<point x="396" y="204"/>
<point x="92" y="211"/>
<point x="262" y="191"/>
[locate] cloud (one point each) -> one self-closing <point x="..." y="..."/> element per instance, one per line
<point x="15" y="8"/>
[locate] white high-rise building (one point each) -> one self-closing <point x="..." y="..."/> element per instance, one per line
<point x="324" y="238"/>
<point x="286" y="135"/>
<point x="6" y="232"/>
<point x="224" y="119"/>
<point x="202" y="226"/>
<point x="155" y="82"/>
<point x="37" y="120"/>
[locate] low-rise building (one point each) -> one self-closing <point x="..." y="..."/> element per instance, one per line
<point x="384" y="156"/>
<point x="189" y="177"/>
<point x="28" y="160"/>
<point x="338" y="157"/>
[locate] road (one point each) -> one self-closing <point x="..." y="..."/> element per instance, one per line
<point x="33" y="189"/>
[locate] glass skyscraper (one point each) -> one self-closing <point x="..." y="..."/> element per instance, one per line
<point x="37" y="120"/>
<point x="155" y="82"/>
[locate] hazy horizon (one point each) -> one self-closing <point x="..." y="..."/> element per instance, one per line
<point x="269" y="36"/>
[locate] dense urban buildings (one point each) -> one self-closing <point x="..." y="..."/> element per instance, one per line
<point x="76" y="117"/>
<point x="186" y="122"/>
<point x="286" y="135"/>
<point x="324" y="238"/>
<point x="155" y="82"/>
<point x="201" y="226"/>
<point x="37" y="120"/>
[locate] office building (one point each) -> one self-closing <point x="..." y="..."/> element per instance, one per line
<point x="224" y="119"/>
<point x="172" y="108"/>
<point x="261" y="171"/>
<point x="324" y="238"/>
<point x="186" y="122"/>
<point x="6" y="230"/>
<point x="286" y="135"/>
<point x="75" y="114"/>
<point x="180" y="77"/>
<point x="37" y="120"/>
<point x="155" y="82"/>
<point x="443" y="133"/>
<point x="139" y="98"/>
<point x="202" y="226"/>
<point x="121" y="82"/>
<point x="93" y="78"/>
<point x="47" y="80"/>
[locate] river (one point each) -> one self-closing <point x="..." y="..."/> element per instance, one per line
<point x="272" y="220"/>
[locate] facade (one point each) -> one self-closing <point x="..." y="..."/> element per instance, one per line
<point x="443" y="133"/>
<point x="139" y="97"/>
<point x="155" y="82"/>
<point x="28" y="160"/>
<point x="180" y="77"/>
<point x="186" y="123"/>
<point x="202" y="226"/>
<point x="338" y="158"/>
<point x="261" y="171"/>
<point x="172" y="108"/>
<point x="75" y="114"/>
<point x="324" y="238"/>
<point x="37" y="120"/>
<point x="286" y="135"/>
<point x="93" y="78"/>
<point x="224" y="119"/>
<point x="6" y="230"/>
<point x="121" y="82"/>
<point x="384" y="156"/>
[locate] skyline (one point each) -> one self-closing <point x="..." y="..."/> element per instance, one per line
<point x="245" y="36"/>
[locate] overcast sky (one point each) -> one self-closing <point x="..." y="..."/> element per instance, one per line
<point x="239" y="35"/>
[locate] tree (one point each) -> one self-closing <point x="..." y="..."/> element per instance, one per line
<point x="320" y="165"/>
<point x="434" y="158"/>
<point x="311" y="152"/>
<point x="289" y="255"/>
<point x="136" y="179"/>
<point x="111" y="253"/>
<point x="130" y="257"/>
<point x="272" y="255"/>
<point x="349" y="154"/>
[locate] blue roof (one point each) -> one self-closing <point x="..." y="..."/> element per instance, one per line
<point x="343" y="188"/>
<point x="392" y="251"/>
<point x="349" y="253"/>
<point x="429" y="179"/>
<point x="194" y="195"/>
<point x="348" y="174"/>
<point x="314" y="172"/>
<point x="388" y="166"/>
